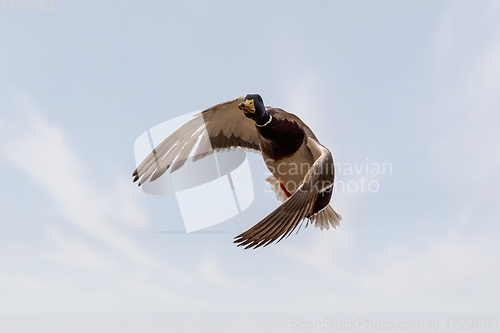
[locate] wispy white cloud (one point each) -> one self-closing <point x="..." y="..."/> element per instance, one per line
<point x="66" y="250"/>
<point x="211" y="271"/>
<point x="450" y="273"/>
<point x="103" y="219"/>
<point x="43" y="152"/>
<point x="322" y="253"/>
<point x="469" y="124"/>
<point x="301" y="95"/>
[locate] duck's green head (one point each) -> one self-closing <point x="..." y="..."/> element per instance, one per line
<point x="253" y="107"/>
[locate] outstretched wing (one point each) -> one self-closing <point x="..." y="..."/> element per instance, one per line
<point x="318" y="183"/>
<point x="222" y="126"/>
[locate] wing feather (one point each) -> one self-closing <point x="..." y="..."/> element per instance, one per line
<point x="300" y="205"/>
<point x="222" y="126"/>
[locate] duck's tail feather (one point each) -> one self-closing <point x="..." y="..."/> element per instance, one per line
<point x="326" y="218"/>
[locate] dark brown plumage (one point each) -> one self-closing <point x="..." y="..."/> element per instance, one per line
<point x="282" y="137"/>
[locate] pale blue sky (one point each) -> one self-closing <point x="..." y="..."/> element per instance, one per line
<point x="411" y="83"/>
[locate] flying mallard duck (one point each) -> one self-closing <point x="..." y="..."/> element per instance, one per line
<point x="302" y="169"/>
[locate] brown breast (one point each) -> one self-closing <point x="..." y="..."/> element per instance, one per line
<point x="280" y="138"/>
